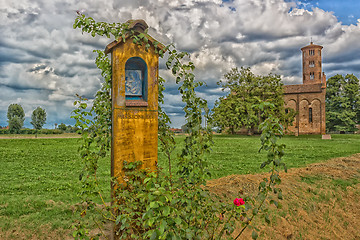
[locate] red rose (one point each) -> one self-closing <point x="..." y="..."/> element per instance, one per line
<point x="239" y="201"/>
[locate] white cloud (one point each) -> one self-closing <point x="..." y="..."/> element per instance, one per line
<point x="43" y="61"/>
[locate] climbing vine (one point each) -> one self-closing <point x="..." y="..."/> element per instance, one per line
<point x="155" y="205"/>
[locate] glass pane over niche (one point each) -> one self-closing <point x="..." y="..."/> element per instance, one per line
<point x="133" y="83"/>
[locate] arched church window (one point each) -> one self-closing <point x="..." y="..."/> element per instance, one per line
<point x="310" y="115"/>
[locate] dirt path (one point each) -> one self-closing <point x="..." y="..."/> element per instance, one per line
<point x="41" y="136"/>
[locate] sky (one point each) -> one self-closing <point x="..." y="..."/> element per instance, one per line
<point x="45" y="62"/>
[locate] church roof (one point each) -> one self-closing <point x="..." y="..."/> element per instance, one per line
<point x="301" y="88"/>
<point x="312" y="45"/>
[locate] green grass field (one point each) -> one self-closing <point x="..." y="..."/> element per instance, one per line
<point x="239" y="154"/>
<point x="39" y="182"/>
<point x="39" y="178"/>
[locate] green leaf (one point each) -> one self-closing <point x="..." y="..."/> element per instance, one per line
<point x="267" y="219"/>
<point x="255" y="211"/>
<point x="151" y="222"/>
<point x="146" y="180"/>
<point x="154" y="235"/>
<point x="118" y="219"/>
<point x="254" y="235"/>
<point x="277" y="162"/>
<point x="154" y="204"/>
<point x="163" y="226"/>
<point x="263" y="164"/>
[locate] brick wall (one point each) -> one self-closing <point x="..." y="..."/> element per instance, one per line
<point x="309" y="102"/>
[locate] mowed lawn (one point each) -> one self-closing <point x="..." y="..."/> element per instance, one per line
<point x="240" y="155"/>
<point x="39" y="178"/>
<point x="39" y="183"/>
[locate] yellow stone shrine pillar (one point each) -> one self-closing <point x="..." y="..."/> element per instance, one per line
<point x="134" y="102"/>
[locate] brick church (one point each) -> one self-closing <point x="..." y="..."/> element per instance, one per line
<point x="308" y="98"/>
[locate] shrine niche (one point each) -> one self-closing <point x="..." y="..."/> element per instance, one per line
<point x="136" y="79"/>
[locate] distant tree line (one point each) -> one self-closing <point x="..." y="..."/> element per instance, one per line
<point x="16" y="118"/>
<point x="67" y="128"/>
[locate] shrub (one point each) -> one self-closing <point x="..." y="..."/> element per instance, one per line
<point x="50" y="131"/>
<point x="27" y="131"/>
<point x="4" y="131"/>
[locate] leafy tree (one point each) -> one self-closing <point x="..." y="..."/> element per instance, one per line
<point x="62" y="127"/>
<point x="71" y="129"/>
<point x="236" y="110"/>
<point x="16" y="117"/>
<point x="342" y="103"/>
<point x="38" y="118"/>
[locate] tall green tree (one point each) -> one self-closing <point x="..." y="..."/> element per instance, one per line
<point x="236" y="110"/>
<point x="62" y="127"/>
<point x="342" y="103"/>
<point x="38" y="118"/>
<point x="16" y="117"/>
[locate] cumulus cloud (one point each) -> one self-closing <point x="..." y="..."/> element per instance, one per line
<point x="43" y="61"/>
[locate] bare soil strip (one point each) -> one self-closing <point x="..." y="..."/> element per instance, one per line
<point x="50" y="136"/>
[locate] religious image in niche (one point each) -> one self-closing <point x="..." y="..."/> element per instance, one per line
<point x="133" y="84"/>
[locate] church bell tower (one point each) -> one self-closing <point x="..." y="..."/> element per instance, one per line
<point x="312" y="65"/>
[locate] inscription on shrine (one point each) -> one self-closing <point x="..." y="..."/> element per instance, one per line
<point x="141" y="115"/>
